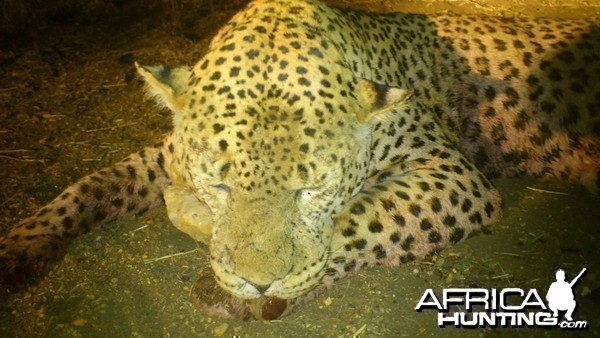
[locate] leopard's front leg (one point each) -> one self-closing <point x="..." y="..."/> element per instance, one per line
<point x="424" y="196"/>
<point x="410" y="211"/>
<point x="129" y="187"/>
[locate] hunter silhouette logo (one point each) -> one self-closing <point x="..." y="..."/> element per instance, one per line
<point x="560" y="295"/>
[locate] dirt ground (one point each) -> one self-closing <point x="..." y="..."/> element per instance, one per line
<point x="70" y="103"/>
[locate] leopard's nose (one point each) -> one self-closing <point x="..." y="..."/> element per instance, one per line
<point x="261" y="288"/>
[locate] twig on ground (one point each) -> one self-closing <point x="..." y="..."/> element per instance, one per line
<point x="22" y="159"/>
<point x="111" y="128"/>
<point x="152" y="260"/>
<point x="547" y="191"/>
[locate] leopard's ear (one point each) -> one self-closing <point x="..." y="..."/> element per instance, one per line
<point x="380" y="99"/>
<point x="166" y="84"/>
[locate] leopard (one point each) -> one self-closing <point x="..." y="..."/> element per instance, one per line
<point x="311" y="141"/>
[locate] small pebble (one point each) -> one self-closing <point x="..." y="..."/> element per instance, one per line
<point x="220" y="330"/>
<point x="79" y="322"/>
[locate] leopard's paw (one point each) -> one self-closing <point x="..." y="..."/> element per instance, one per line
<point x="24" y="258"/>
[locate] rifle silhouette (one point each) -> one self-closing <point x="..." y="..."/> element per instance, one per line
<point x="577" y="278"/>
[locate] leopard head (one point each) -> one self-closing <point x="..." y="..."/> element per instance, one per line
<point x="273" y="136"/>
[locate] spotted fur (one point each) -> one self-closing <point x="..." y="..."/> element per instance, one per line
<point x="311" y="141"/>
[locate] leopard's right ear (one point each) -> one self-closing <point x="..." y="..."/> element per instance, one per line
<point x="166" y="84"/>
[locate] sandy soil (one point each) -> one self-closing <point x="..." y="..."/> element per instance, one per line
<point x="70" y="103"/>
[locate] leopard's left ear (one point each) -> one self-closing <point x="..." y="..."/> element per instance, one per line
<point x="166" y="84"/>
<point x="380" y="99"/>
